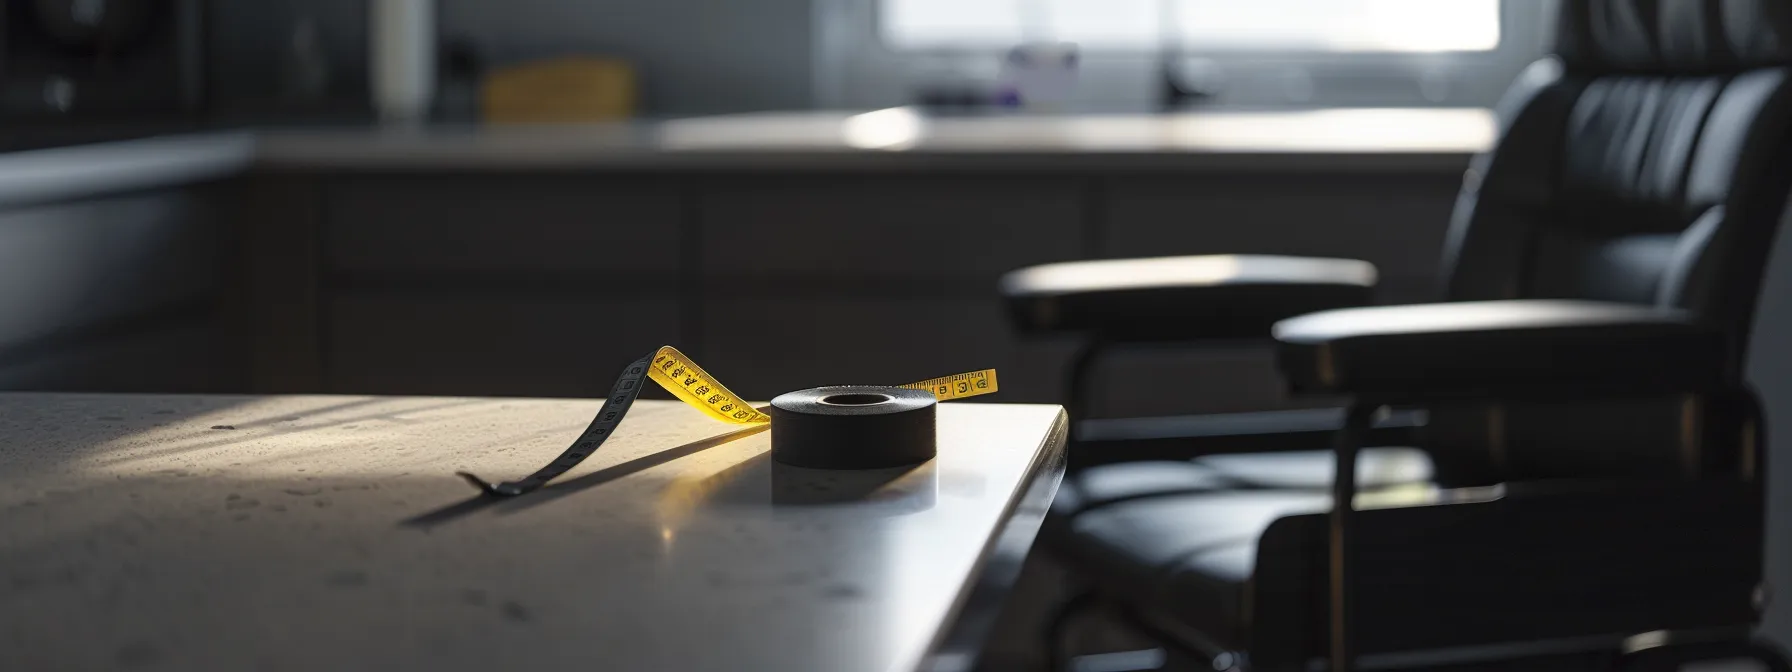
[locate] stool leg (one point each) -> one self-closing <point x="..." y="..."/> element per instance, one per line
<point x="1357" y="420"/>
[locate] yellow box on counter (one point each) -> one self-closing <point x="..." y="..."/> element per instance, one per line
<point x="559" y="91"/>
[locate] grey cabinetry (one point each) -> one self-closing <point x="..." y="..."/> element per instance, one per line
<point x="522" y="344"/>
<point x="115" y="293"/>
<point x="546" y="282"/>
<point x="540" y="285"/>
<point x="502" y="224"/>
<point x="878" y="278"/>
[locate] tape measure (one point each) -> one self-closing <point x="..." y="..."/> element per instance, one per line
<point x="688" y="382"/>
<point x="959" y="386"/>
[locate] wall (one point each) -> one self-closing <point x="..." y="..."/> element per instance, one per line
<point x="694" y="56"/>
<point x="854" y="70"/>
<point x="722" y="56"/>
<point x="249" y="43"/>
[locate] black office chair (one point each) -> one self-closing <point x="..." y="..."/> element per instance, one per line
<point x="1572" y="471"/>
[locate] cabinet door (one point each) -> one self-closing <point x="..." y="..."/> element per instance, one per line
<point x="888" y="225"/>
<point x="74" y="267"/>
<point x="503" y="345"/>
<point x="880" y="279"/>
<point x="537" y="284"/>
<point x="536" y="224"/>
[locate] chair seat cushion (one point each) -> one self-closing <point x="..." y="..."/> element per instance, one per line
<point x="1183" y="536"/>
<point x="1190" y="555"/>
<point x="1245" y="569"/>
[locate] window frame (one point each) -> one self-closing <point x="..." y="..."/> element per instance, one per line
<point x="855" y="67"/>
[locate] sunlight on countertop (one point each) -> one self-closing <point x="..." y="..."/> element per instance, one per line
<point x="1453" y="130"/>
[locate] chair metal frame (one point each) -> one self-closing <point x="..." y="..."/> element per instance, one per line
<point x="1665" y="649"/>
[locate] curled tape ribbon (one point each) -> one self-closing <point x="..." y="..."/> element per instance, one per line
<point x="692" y="385"/>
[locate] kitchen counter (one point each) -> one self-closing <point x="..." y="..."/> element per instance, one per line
<point x="330" y="533"/>
<point x="377" y="259"/>
<point x="1357" y="140"/>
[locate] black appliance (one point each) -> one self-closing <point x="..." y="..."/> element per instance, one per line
<point x="101" y="60"/>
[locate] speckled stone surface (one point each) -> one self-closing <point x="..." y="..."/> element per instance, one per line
<point x="329" y="533"/>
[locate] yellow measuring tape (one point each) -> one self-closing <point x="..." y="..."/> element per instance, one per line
<point x="959" y="386"/>
<point x="691" y="384"/>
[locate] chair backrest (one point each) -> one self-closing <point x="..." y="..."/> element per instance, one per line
<point x="1646" y="162"/>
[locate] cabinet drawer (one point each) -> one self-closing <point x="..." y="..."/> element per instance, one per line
<point x="484" y="223"/>
<point x="889" y="225"/>
<point x="400" y="344"/>
<point x="81" y="265"/>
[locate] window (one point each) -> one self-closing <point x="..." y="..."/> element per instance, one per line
<point x="1198" y="25"/>
<point x="1235" y="53"/>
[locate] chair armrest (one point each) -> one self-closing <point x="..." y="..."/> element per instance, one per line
<point x="1181" y="298"/>
<point x="1489" y="349"/>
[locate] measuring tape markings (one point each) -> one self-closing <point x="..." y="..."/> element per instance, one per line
<point x="692" y="385"/>
<point x="958" y="386"/>
<point x="688" y="382"/>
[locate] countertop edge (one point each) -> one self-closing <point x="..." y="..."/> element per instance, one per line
<point x="968" y="623"/>
<point x="48" y="175"/>
<point x="291" y="155"/>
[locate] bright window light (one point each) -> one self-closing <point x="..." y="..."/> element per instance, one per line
<point x="933" y="23"/>
<point x="1285" y="25"/>
<point x="1101" y="23"/>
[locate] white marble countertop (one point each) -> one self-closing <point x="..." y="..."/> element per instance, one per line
<point x="329" y="533"/>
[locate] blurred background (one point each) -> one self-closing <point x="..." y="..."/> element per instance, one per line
<point x="460" y="197"/>
<point x="465" y="197"/>
<point x="205" y="61"/>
